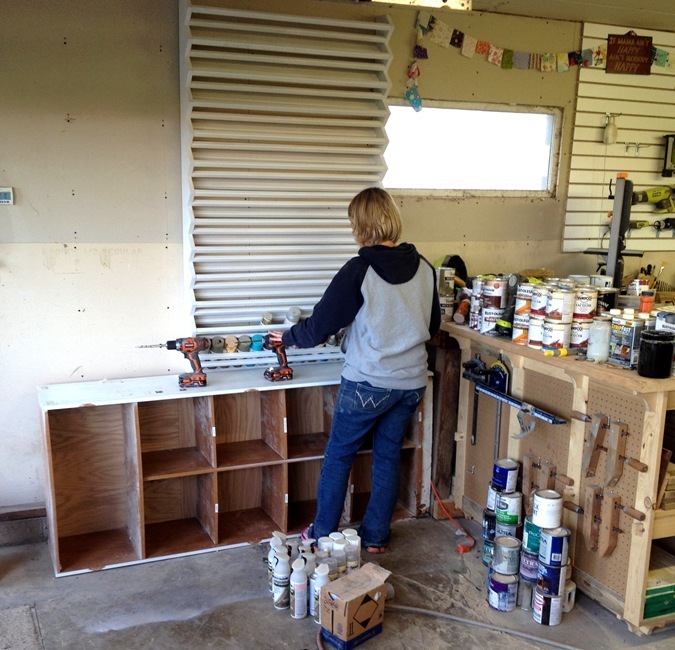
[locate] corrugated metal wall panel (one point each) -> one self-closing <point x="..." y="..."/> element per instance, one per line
<point x="283" y="124"/>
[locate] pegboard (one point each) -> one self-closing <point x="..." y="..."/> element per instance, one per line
<point x="612" y="571"/>
<point x="548" y="442"/>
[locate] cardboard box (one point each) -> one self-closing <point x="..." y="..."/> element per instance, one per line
<point x="352" y="607"/>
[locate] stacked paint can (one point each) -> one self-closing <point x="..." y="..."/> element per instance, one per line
<point x="488" y="301"/>
<point x="548" y="541"/>
<point x="502" y="522"/>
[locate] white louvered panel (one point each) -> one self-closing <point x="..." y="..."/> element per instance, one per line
<point x="283" y="122"/>
<point x="647" y="110"/>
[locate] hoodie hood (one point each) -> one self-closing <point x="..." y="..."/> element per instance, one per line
<point x="395" y="265"/>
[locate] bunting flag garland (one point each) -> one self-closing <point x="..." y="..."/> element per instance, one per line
<point x="428" y="28"/>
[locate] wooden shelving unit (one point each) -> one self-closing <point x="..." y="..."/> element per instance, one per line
<point x="573" y="389"/>
<point x="140" y="470"/>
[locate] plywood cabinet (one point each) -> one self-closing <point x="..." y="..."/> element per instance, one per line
<point x="138" y="469"/>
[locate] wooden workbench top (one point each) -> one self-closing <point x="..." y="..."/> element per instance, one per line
<point x="602" y="372"/>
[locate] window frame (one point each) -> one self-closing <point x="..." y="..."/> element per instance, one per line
<point x="554" y="160"/>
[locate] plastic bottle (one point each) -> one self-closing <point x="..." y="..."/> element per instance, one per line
<point x="298" y="590"/>
<point x="352" y="553"/>
<point x="340" y="555"/>
<point x="321" y="578"/>
<point x="275" y="545"/>
<point x="325" y="544"/>
<point x="336" y="535"/>
<point x="647" y="300"/>
<point x="599" y="336"/>
<point x="282" y="574"/>
<point x="354" y="540"/>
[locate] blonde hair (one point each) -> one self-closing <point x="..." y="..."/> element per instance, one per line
<point x="374" y="217"/>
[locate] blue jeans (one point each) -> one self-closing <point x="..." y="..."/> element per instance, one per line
<point x="361" y="409"/>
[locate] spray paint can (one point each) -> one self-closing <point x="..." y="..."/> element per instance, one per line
<point x="282" y="575"/>
<point x="321" y="578"/>
<point x="298" y="590"/>
<point x="275" y="545"/>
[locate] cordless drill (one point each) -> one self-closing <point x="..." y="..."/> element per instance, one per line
<point x="282" y="372"/>
<point x="190" y="347"/>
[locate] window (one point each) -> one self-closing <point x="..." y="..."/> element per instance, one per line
<point x="483" y="150"/>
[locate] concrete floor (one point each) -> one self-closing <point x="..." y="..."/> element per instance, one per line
<point x="220" y="600"/>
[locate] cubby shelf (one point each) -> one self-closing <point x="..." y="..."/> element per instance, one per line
<point x="140" y="470"/>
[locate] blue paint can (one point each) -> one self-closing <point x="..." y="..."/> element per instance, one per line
<point x="505" y="474"/>
<point x="551" y="580"/>
<point x="502" y="591"/>
<point x="554" y="546"/>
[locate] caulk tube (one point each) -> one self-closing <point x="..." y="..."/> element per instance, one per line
<point x="321" y="578"/>
<point x="298" y="590"/>
<point x="282" y="573"/>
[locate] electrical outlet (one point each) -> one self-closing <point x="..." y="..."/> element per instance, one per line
<point x="6" y="196"/>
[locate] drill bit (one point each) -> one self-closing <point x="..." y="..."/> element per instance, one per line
<point x="154" y="345"/>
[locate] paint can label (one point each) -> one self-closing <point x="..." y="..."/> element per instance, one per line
<point x="489" y="318"/>
<point x="556" y="335"/>
<point x="547" y="509"/>
<point x="492" y="493"/>
<point x="488" y="550"/>
<point x="505" y="474"/>
<point x="474" y="320"/>
<point x="507" y="530"/>
<point x="447" y="307"/>
<point x="509" y="507"/>
<point x="525" y="290"/>
<point x="503" y="592"/>
<point x="494" y="293"/>
<point x="546" y="610"/>
<point x="522" y="307"/>
<point x="531" y="534"/>
<point x="521" y="328"/>
<point x="585" y="302"/>
<point x="539" y="301"/>
<point x="535" y="333"/>
<point x="554" y="547"/>
<point x="560" y="306"/>
<point x="489" y="523"/>
<point x="579" y="333"/>
<point x="529" y="567"/>
<point x="506" y="556"/>
<point x="550" y="579"/>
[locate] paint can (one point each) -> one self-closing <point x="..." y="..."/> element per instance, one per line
<point x="508" y="530"/>
<point x="550" y="579"/>
<point x="505" y="474"/>
<point x="539" y="301"/>
<point x="492" y="493"/>
<point x="494" y="293"/>
<point x="556" y="335"/>
<point x="489" y="318"/>
<point x="521" y="328"/>
<point x="566" y="284"/>
<point x="580" y="280"/>
<point x="554" y="546"/>
<point x="529" y="567"/>
<point x="579" y="333"/>
<point x="489" y="522"/>
<point x="506" y="556"/>
<point x="570" y="596"/>
<point x="547" y="508"/>
<point x="585" y="303"/>
<point x="522" y="306"/>
<point x="525" y="592"/>
<point x="524" y="290"/>
<point x="603" y="281"/>
<point x="508" y="508"/>
<point x="531" y="536"/>
<point x="535" y="332"/>
<point x="546" y="609"/>
<point x="502" y="591"/>
<point x="560" y="306"/>
<point x="488" y="552"/>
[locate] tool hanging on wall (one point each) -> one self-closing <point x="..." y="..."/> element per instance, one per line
<point x="476" y="370"/>
<point x="538" y="475"/>
<point x="594" y="443"/>
<point x="601" y="512"/>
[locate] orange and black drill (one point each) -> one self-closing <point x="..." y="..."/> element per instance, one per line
<point x="282" y="372"/>
<point x="190" y="347"/>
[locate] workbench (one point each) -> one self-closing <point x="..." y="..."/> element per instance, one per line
<point x="616" y="571"/>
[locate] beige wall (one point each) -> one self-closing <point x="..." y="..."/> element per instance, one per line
<point x="91" y="255"/>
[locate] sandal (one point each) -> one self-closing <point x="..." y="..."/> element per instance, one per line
<point x="376" y="550"/>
